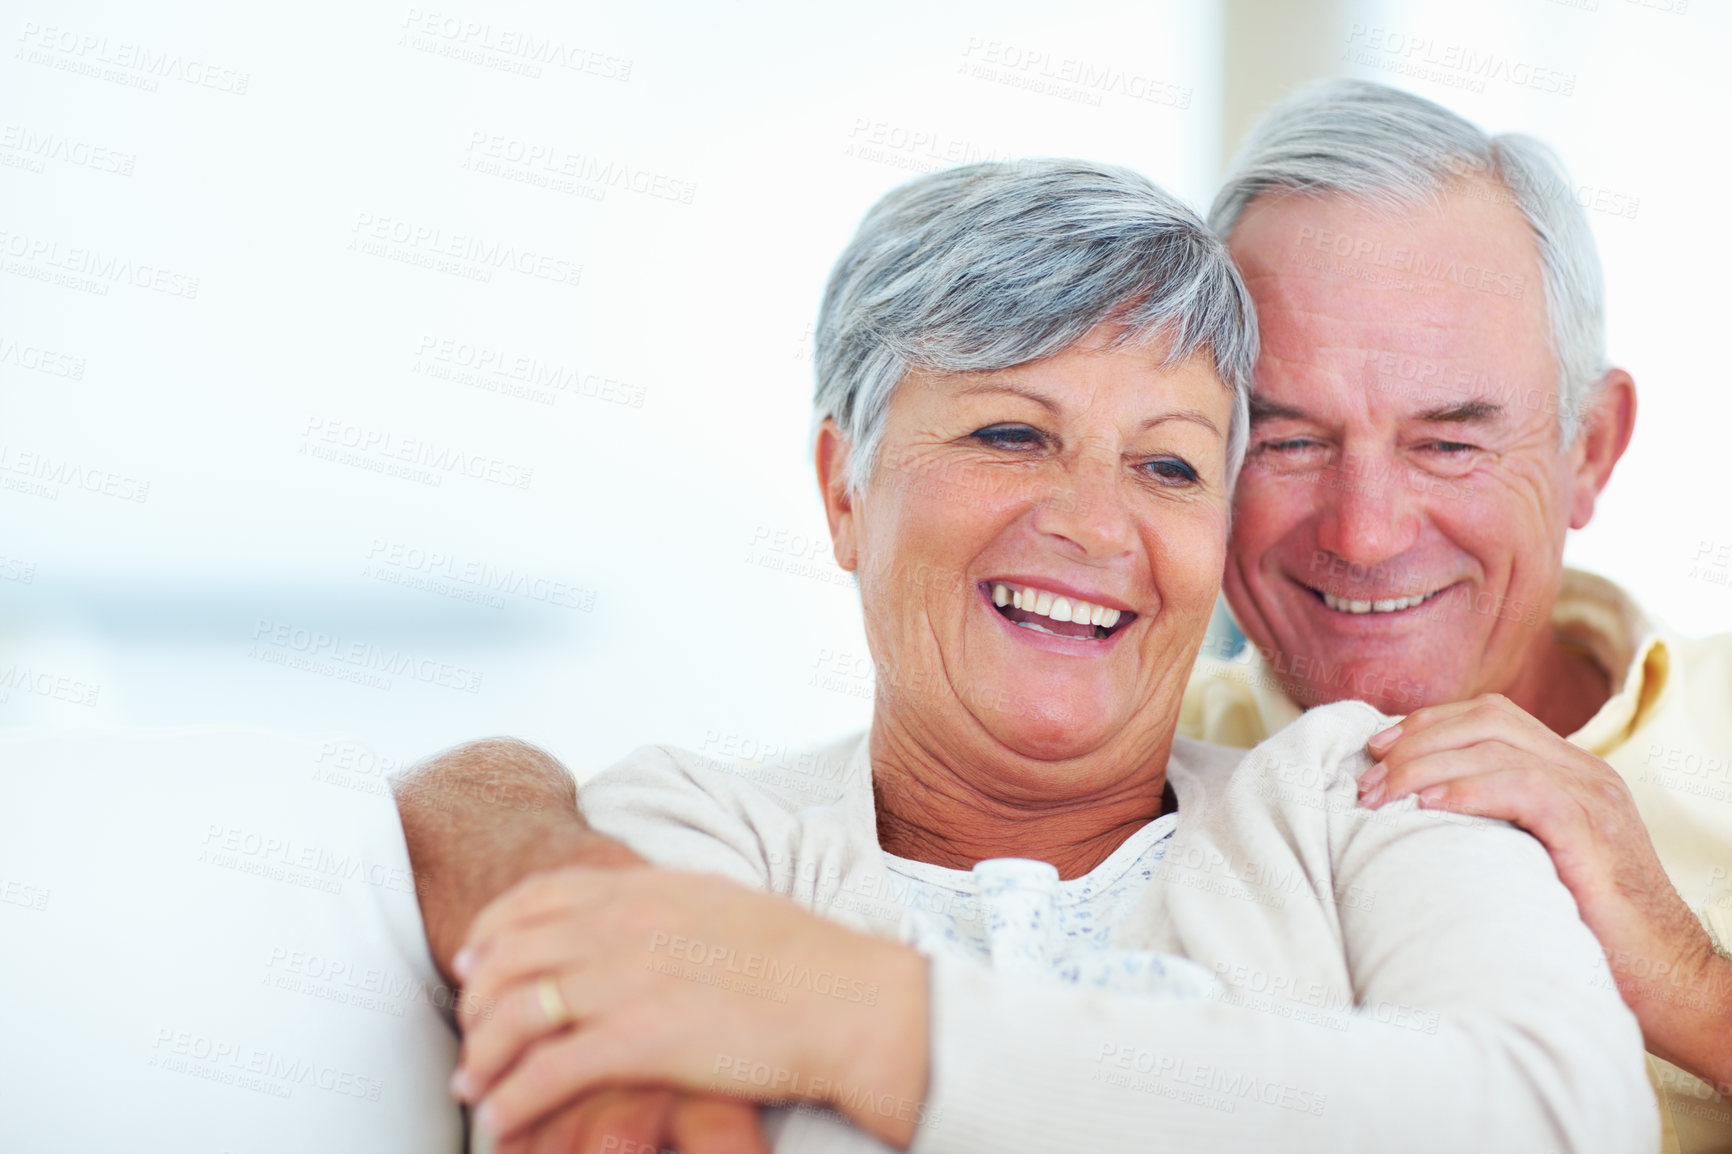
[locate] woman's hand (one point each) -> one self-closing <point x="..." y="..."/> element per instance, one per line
<point x="688" y="981"/>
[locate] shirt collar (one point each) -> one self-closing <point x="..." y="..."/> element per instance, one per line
<point x="1603" y="619"/>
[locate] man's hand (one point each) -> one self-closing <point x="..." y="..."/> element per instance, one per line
<point x="480" y="818"/>
<point x="691" y="981"/>
<point x="1490" y="758"/>
<point x="635" y="1120"/>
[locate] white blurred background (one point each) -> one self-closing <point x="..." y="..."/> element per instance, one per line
<point x="418" y="372"/>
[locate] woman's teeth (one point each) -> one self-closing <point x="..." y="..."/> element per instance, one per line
<point x="1343" y="605"/>
<point x="1051" y="605"/>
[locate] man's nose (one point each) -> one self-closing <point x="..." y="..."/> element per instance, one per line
<point x="1088" y="509"/>
<point x="1368" y="515"/>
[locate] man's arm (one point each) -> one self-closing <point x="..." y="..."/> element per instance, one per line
<point x="481" y="817"/>
<point x="1489" y="757"/>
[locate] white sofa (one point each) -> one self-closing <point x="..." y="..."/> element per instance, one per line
<point x="209" y="941"/>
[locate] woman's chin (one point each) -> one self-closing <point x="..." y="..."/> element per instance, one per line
<point x="1054" y="735"/>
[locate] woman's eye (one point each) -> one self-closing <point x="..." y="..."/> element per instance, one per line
<point x="1008" y="436"/>
<point x="1171" y="471"/>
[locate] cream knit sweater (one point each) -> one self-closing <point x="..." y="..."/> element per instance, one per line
<point x="1392" y="981"/>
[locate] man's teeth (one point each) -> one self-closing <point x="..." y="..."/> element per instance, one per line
<point x="1392" y="605"/>
<point x="1055" y="607"/>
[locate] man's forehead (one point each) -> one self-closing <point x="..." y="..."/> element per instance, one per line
<point x="1405" y="314"/>
<point x="1392" y="389"/>
<point x="1469" y="214"/>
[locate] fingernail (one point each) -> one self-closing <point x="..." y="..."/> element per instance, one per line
<point x="461" y="1087"/>
<point x="1432" y="794"/>
<point x="1372" y="776"/>
<point x="1373" y="796"/>
<point x="485" y="1119"/>
<point x="1387" y="737"/>
<point x="464" y="961"/>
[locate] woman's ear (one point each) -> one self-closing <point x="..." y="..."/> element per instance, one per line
<point x="832" y="454"/>
<point x="1602" y="437"/>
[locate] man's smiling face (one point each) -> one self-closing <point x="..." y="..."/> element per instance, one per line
<point x="1399" y="524"/>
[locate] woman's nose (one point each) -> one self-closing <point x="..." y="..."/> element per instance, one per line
<point x="1087" y="509"/>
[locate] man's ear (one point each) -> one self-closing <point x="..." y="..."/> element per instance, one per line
<point x="1601" y="439"/>
<point x="832" y="454"/>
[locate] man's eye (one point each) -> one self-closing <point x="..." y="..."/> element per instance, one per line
<point x="1008" y="436"/>
<point x="1449" y="458"/>
<point x="1171" y="471"/>
<point x="1291" y="454"/>
<point x="1292" y="450"/>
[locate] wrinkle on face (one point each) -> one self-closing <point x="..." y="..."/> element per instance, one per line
<point x="1495" y="529"/>
<point x="1081" y="508"/>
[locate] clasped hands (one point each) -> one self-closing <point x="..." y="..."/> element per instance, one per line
<point x="691" y="1000"/>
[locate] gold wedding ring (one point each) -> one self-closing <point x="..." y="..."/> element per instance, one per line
<point x="559" y="1014"/>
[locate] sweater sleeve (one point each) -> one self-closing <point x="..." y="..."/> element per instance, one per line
<point x="1483" y="1018"/>
<point x="683" y="814"/>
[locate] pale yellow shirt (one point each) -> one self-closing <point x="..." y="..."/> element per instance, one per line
<point x="1667" y="730"/>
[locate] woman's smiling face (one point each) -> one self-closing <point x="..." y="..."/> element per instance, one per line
<point x="1092" y="483"/>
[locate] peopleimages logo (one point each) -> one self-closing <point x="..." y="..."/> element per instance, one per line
<point x="466" y="253"/>
<point x="550" y="165"/>
<point x="92" y="269"/>
<point x="504" y="47"/>
<point x="137" y="65"/>
<point x="37" y="359"/>
<point x="417" y="458"/>
<point x="497" y="369"/>
<point x="44" y="473"/>
<point x="35" y="149"/>
<point x="485" y="579"/>
<point x="1410" y="261"/>
<point x="363" y="657"/>
<point x="254" y="1067"/>
<point x="759" y="967"/>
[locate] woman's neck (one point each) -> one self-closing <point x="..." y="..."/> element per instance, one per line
<point x="929" y="810"/>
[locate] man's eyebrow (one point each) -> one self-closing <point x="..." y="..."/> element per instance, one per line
<point x="1462" y="413"/>
<point x="1262" y="410"/>
<point x="1465" y="413"/>
<point x="979" y="387"/>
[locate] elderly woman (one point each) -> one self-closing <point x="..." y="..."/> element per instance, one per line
<point x="1030" y="919"/>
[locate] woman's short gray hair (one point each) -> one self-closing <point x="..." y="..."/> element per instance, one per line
<point x="1396" y="150"/>
<point x="993" y="265"/>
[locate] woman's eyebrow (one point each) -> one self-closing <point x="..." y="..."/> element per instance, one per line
<point x="1052" y="406"/>
<point x="979" y="387"/>
<point x="1181" y="415"/>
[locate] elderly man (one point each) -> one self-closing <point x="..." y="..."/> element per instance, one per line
<point x="1432" y="413"/>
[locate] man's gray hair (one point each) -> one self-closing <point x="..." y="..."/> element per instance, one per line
<point x="1395" y="150"/>
<point x="993" y="265"/>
